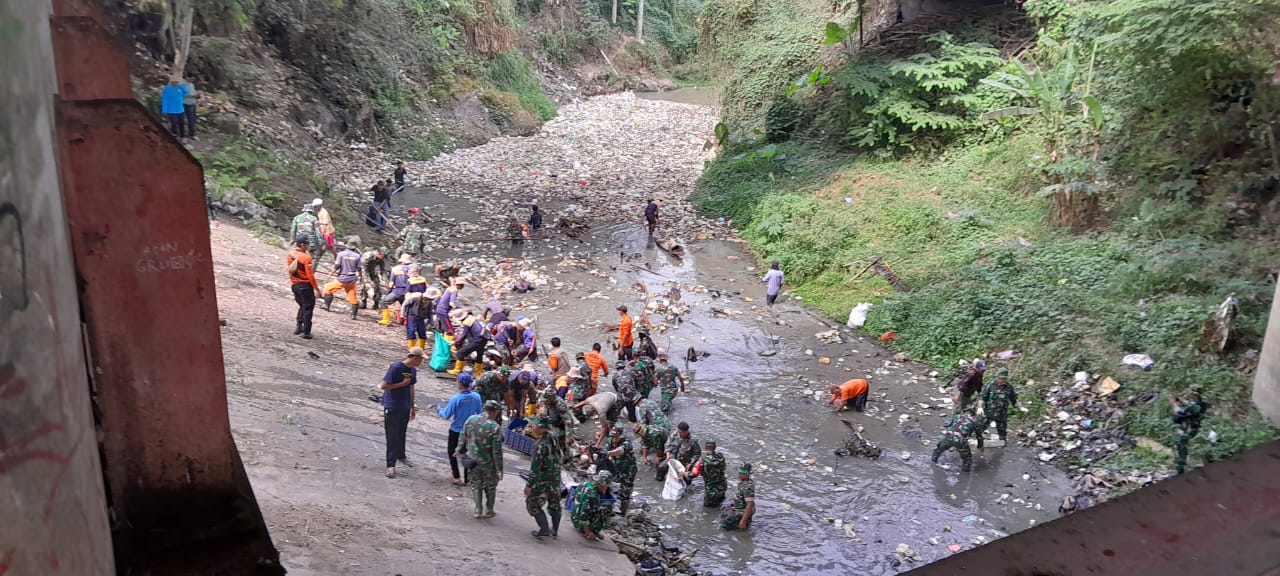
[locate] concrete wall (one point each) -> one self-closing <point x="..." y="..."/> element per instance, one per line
<point x="53" y="514"/>
<point x="1266" y="384"/>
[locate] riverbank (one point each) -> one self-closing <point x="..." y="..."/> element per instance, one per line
<point x="852" y="514"/>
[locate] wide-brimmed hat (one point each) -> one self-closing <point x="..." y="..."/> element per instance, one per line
<point x="406" y="259"/>
<point x="416" y="351"/>
<point x="575" y="372"/>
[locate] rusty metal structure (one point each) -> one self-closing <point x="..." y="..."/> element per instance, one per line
<point x="116" y="453"/>
<point x="115" y="443"/>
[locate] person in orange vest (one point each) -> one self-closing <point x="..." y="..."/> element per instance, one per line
<point x="598" y="365"/>
<point x="625" y="340"/>
<point x="302" y="280"/>
<point x="851" y="394"/>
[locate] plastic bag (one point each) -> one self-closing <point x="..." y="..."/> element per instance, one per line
<point x="674" y="487"/>
<point x="858" y="316"/>
<point x="440" y="356"/>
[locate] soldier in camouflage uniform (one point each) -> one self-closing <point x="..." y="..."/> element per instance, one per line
<point x="645" y="375"/>
<point x="997" y="398"/>
<point x="555" y="413"/>
<point x="623" y="456"/>
<point x="482" y="443"/>
<point x="411" y="239"/>
<point x="515" y="231"/>
<point x="374" y="263"/>
<point x="308" y="225"/>
<point x="955" y="434"/>
<point x="579" y="388"/>
<point x="653" y="431"/>
<point x="712" y="473"/>
<point x="624" y="383"/>
<point x="738" y="515"/>
<point x="492" y="385"/>
<point x="668" y="378"/>
<point x="681" y="446"/>
<point x="1187" y="417"/>
<point x="590" y="516"/>
<point x="543" y="486"/>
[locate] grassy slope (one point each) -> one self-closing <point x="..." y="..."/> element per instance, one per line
<point x="965" y="231"/>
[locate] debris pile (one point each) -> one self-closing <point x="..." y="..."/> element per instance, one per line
<point x="640" y="538"/>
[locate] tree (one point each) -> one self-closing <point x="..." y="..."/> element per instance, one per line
<point x="175" y="31"/>
<point x="640" y="23"/>
<point x="613" y="18"/>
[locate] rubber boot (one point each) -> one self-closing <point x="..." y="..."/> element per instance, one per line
<point x="623" y="505"/>
<point x="410" y="343"/>
<point x="355" y="309"/>
<point x="491" y="493"/>
<point x="477" y="493"/>
<point x="937" y="451"/>
<point x="449" y="338"/>
<point x="457" y="368"/>
<point x="328" y="301"/>
<point x="542" y="531"/>
<point x="422" y="343"/>
<point x="386" y="317"/>
<point x="297" y="330"/>
<point x="555" y="522"/>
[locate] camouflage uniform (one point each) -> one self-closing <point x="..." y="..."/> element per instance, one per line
<point x="1187" y="417"/>
<point x="644" y="376"/>
<point x="411" y="240"/>
<point x="996" y="401"/>
<point x="514" y="232"/>
<point x="492" y="386"/>
<point x="588" y="511"/>
<point x="624" y="467"/>
<point x="656" y="426"/>
<point x="555" y="412"/>
<point x="581" y="389"/>
<point x="731" y="517"/>
<point x="544" y="482"/>
<point x="669" y="382"/>
<point x="482" y="440"/>
<point x="375" y="270"/>
<point x="307" y="224"/>
<point x="956" y="432"/>
<point x="713" y="479"/>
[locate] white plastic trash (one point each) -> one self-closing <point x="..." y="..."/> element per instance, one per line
<point x="674" y="487"/>
<point x="1140" y="360"/>
<point x="858" y="316"/>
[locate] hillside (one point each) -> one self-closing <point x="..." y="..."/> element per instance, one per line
<point x="1068" y="197"/>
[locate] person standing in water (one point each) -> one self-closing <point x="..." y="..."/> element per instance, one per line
<point x="774" y="279"/>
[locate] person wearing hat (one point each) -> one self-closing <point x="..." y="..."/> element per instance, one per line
<point x="646" y="375"/>
<point x="681" y="446"/>
<point x="413" y="236"/>
<point x="397" y="286"/>
<point x="460" y="408"/>
<point x="302" y="281"/>
<point x="624" y="384"/>
<point x="738" y="515"/>
<point x="670" y="381"/>
<point x="852" y="394"/>
<point x="969" y="383"/>
<point x="398" y="407"/>
<point x="997" y="398"/>
<point x="416" y="309"/>
<point x="955" y="434"/>
<point x="448" y="270"/>
<point x="346" y="266"/>
<point x="590" y="515"/>
<point x="306" y="224"/>
<point x="1187" y="416"/>
<point x="653" y="431"/>
<point x="482" y="445"/>
<point x="324" y="222"/>
<point x="433" y="293"/>
<point x="506" y="334"/>
<point x="625" y="340"/>
<point x="710" y="466"/>
<point x="527" y="350"/>
<point x="595" y="365"/>
<point x="623" y="456"/>
<point x="773" y="280"/>
<point x="577" y="386"/>
<point x="542" y="487"/>
<point x="374" y="264"/>
<point x="446" y="303"/>
<point x="471" y="338"/>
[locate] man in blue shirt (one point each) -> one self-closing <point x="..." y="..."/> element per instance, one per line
<point x="171" y="105"/>
<point x="398" y="406"/>
<point x="465" y="404"/>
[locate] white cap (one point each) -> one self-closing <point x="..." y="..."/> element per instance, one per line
<point x="317" y="202"/>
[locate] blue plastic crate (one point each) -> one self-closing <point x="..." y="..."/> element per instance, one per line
<point x="517" y="441"/>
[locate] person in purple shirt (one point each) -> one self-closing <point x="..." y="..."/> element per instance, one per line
<point x="528" y="348"/>
<point x="774" y="279"/>
<point x="465" y="404"/>
<point x="445" y="304"/>
<point x="398" y="407"/>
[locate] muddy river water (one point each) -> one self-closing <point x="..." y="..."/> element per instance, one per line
<point x="818" y="513"/>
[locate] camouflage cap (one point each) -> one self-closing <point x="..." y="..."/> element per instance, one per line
<point x="604" y="477"/>
<point x="504" y="370"/>
<point x="745" y="468"/>
<point x="492" y="405"/>
<point x="710" y="441"/>
<point x="616" y="431"/>
<point x="1002" y="373"/>
<point x="549" y="392"/>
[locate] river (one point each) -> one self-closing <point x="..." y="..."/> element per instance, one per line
<point x="763" y="410"/>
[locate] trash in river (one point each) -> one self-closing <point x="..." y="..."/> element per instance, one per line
<point x="1108" y="386"/>
<point x="1140" y="360"/>
<point x="1213" y="436"/>
<point x="858" y="315"/>
<point x="906" y="554"/>
<point x="856" y="445"/>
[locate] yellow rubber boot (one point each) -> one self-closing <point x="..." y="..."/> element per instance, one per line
<point x="410" y="343"/>
<point x="457" y="368"/>
<point x="422" y="343"/>
<point x="386" y="317"/>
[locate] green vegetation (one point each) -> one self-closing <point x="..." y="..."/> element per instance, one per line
<point x="510" y="72"/>
<point x="1101" y="195"/>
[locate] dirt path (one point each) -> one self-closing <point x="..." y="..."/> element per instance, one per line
<point x="312" y="442"/>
